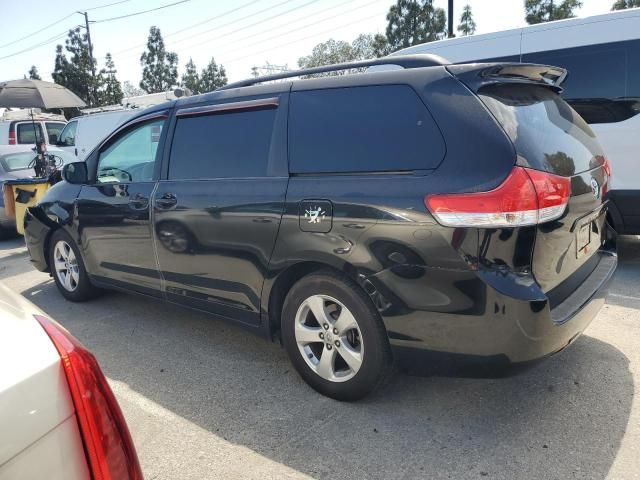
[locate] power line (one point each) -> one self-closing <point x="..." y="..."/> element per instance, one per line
<point x="233" y="60"/>
<point x="141" y="12"/>
<point x="315" y="22"/>
<point x="107" y="5"/>
<point x="38" y="31"/>
<point x="238" y="20"/>
<point x="247" y="26"/>
<point x="45" y="42"/>
<point x="57" y="22"/>
<point x="244" y="18"/>
<point x="192" y="26"/>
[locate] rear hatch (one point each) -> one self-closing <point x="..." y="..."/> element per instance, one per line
<point x="548" y="135"/>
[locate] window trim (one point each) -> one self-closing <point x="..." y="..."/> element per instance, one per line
<point x="230" y="107"/>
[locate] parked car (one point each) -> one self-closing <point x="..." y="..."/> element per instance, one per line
<point x="59" y="417"/>
<point x="601" y="55"/>
<point x="436" y="209"/>
<point x="83" y="133"/>
<point x="23" y="131"/>
<point x="15" y="163"/>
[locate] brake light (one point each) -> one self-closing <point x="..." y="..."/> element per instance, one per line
<point x="107" y="442"/>
<point x="526" y="197"/>
<point x="12" y="135"/>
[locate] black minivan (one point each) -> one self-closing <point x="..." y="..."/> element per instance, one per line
<point x="364" y="220"/>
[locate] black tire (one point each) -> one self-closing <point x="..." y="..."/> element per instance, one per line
<point x="376" y="359"/>
<point x="83" y="290"/>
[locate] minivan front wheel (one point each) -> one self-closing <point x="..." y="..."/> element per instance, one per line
<point x="67" y="268"/>
<point x="334" y="336"/>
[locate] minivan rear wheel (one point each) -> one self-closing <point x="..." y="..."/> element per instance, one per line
<point x="334" y="336"/>
<point x="67" y="268"/>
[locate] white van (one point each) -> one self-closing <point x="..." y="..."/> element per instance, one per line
<point x="602" y="56"/>
<point x="21" y="130"/>
<point x="83" y="133"/>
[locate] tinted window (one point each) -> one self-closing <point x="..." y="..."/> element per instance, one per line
<point x="223" y="145"/>
<point x="53" y="131"/>
<point x="378" y="128"/>
<point x="68" y="136"/>
<point x="26" y="133"/>
<point x="547" y="133"/>
<point x="131" y="156"/>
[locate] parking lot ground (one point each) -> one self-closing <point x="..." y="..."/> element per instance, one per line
<point x="207" y="400"/>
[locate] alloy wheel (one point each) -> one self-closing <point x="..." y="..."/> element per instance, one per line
<point x="329" y="338"/>
<point x="66" y="266"/>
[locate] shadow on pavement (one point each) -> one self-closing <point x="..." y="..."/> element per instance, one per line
<point x="564" y="418"/>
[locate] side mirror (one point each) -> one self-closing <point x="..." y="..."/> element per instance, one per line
<point x="75" y="173"/>
<point x="53" y="139"/>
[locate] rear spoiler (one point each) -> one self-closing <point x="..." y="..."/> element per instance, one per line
<point x="478" y="75"/>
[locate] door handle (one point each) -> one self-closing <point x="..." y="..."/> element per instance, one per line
<point x="166" y="202"/>
<point x="138" y="201"/>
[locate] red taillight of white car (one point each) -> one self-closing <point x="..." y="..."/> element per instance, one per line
<point x="107" y="442"/>
<point x="526" y="197"/>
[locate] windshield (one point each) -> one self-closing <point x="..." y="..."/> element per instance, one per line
<point x="16" y="161"/>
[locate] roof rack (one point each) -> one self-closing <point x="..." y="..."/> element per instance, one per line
<point x="405" y="61"/>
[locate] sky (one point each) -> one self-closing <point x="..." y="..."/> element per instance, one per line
<point x="240" y="34"/>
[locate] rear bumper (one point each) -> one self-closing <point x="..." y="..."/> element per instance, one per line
<point x="492" y="326"/>
<point x="35" y="235"/>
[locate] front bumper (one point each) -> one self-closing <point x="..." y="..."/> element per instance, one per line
<point x="35" y="235"/>
<point x="470" y="321"/>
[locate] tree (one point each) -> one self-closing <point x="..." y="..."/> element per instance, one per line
<point x="367" y="46"/>
<point x="467" y="26"/>
<point x="76" y="72"/>
<point x="111" y="94"/>
<point x="160" y="68"/>
<point x="624" y="4"/>
<point x="411" y="22"/>
<point x="338" y="51"/>
<point x="130" y="90"/>
<point x="33" y="73"/>
<point x="191" y="79"/>
<point x="212" y="77"/>
<point x="540" y="11"/>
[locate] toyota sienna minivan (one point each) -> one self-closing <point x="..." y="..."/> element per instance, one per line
<point x="364" y="220"/>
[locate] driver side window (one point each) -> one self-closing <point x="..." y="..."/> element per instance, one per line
<point x="131" y="156"/>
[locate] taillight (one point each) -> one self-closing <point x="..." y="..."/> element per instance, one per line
<point x="107" y="442"/>
<point x="12" y="135"/>
<point x="526" y="197"/>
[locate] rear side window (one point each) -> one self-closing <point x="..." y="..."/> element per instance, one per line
<point x="547" y="133"/>
<point x="25" y="133"/>
<point x="222" y="145"/>
<point x="362" y="129"/>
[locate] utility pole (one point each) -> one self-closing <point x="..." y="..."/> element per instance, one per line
<point x="450" y="19"/>
<point x="94" y="93"/>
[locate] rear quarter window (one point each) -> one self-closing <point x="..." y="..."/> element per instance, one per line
<point x="547" y="133"/>
<point x="362" y="129"/>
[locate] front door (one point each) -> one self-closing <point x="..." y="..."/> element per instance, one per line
<point x="217" y="214"/>
<point x="113" y="213"/>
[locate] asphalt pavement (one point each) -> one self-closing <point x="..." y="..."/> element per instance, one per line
<point x="208" y="400"/>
